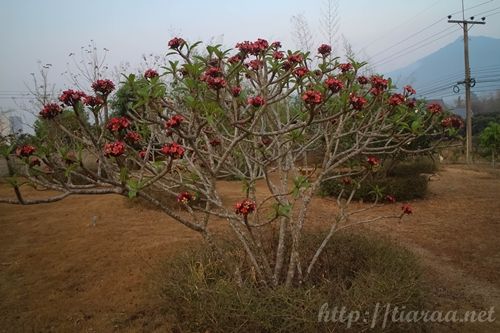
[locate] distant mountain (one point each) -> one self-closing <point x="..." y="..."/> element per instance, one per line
<point x="434" y="75"/>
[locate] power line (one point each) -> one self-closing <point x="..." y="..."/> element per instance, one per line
<point x="422" y="30"/>
<point x="414" y="47"/>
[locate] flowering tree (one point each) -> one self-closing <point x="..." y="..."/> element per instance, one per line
<point x="248" y="114"/>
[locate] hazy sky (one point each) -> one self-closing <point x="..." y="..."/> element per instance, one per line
<point x="381" y="30"/>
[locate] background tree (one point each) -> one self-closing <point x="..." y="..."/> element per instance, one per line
<point x="490" y="140"/>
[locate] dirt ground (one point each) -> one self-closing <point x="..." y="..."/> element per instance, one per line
<point x="84" y="264"/>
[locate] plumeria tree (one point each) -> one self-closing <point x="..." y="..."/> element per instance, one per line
<point x="247" y="114"/>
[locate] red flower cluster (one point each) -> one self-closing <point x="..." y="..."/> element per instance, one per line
<point x="411" y="103"/>
<point x="93" y="101"/>
<point x="25" y="151"/>
<point x="103" y="87"/>
<point x="452" y="122"/>
<point x="324" y="49"/>
<point x="244" y="207"/>
<point x="142" y="154"/>
<point x="176" y="42"/>
<point x="362" y="80"/>
<point x="434" y="108"/>
<point x="256" y="101"/>
<point x="276" y="45"/>
<point x="278" y="55"/>
<point x="234" y="59"/>
<point x="396" y="99"/>
<point x="300" y="71"/>
<point x="295" y="58"/>
<point x="408" y="90"/>
<point x="406" y="208"/>
<point x="312" y="97"/>
<point x="213" y="77"/>
<point x="184" y="197"/>
<point x="114" y="149"/>
<point x="50" y="110"/>
<point x="390" y="198"/>
<point x="254" y="48"/>
<point x="335" y="85"/>
<point x="116" y="124"/>
<point x="132" y="137"/>
<point x="345" y="67"/>
<point x="379" y="84"/>
<point x="373" y="161"/>
<point x="71" y="97"/>
<point x="357" y="102"/>
<point x="255" y="64"/>
<point x="150" y="73"/>
<point x="236" y="91"/>
<point x="174" y="150"/>
<point x="174" y="121"/>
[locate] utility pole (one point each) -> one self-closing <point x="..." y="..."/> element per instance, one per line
<point x="468" y="82"/>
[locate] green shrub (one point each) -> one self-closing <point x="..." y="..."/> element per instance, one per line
<point x="356" y="272"/>
<point x="413" y="168"/>
<point x="402" y="188"/>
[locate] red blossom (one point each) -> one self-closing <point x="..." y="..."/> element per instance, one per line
<point x="357" y="102"/>
<point x="93" y="101"/>
<point x="236" y="91"/>
<point x="300" y="71"/>
<point x="25" y="151"/>
<point x="173" y="150"/>
<point x="407" y="209"/>
<point x="254" y="48"/>
<point x="295" y="58"/>
<point x="176" y="42"/>
<point x="142" y="154"/>
<point x="396" y="99"/>
<point x="452" y="122"/>
<point x="335" y="85"/>
<point x="216" y="82"/>
<point x="256" y="101"/>
<point x="150" y="73"/>
<point x="312" y="97"/>
<point x="362" y="80"/>
<point x="255" y="64"/>
<point x="234" y="59"/>
<point x="133" y="137"/>
<point x="390" y="198"/>
<point x="244" y="207"/>
<point x="324" y="49"/>
<point x="276" y="45"/>
<point x="213" y="77"/>
<point x="278" y="55"/>
<point x="379" y="84"/>
<point x="434" y="108"/>
<point x="184" y="197"/>
<point x="71" y="97"/>
<point x="103" y="87"/>
<point x="50" y="110"/>
<point x="344" y="68"/>
<point x="117" y="124"/>
<point x="373" y="161"/>
<point x="411" y="103"/>
<point x="174" y="121"/>
<point x="114" y="149"/>
<point x="408" y="90"/>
